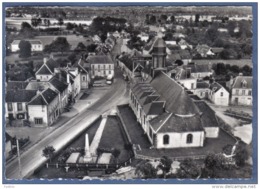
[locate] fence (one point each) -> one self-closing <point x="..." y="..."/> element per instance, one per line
<point x="180" y="158"/>
<point x="92" y="166"/>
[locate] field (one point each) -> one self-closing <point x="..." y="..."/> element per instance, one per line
<point x="73" y="40"/>
<point x="240" y="63"/>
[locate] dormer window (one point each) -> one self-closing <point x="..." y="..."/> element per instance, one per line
<point x="243" y="83"/>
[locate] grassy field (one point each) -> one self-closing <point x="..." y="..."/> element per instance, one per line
<point x="239" y="63"/>
<point x="112" y="137"/>
<point x="73" y="40"/>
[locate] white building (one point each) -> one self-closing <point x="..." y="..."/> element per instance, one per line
<point x="218" y="94"/>
<point x="36" y="45"/>
<point x="241" y="90"/>
<point x="101" y="65"/>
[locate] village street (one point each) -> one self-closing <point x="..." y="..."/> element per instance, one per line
<point x="32" y="158"/>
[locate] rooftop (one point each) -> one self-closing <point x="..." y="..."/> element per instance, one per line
<point x="20" y="95"/>
<point x="44" y="98"/>
<point x="100" y="59"/>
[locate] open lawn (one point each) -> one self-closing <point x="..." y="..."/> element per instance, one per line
<point x="73" y="40"/>
<point x="113" y="137"/>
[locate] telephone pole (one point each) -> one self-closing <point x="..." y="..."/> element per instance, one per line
<point x="19" y="158"/>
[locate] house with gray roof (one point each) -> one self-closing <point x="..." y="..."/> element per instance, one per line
<point x="241" y="90"/>
<point x="44" y="108"/>
<point x="218" y="94"/>
<point x="101" y="65"/>
<point x="16" y="103"/>
<point x="169" y="116"/>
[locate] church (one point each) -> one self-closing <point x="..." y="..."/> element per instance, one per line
<point x="170" y="115"/>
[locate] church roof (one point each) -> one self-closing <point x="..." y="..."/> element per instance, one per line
<point x="168" y="122"/>
<point x="160" y="43"/>
<point x="174" y="95"/>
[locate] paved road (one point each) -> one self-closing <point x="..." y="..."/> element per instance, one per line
<point x="32" y="158"/>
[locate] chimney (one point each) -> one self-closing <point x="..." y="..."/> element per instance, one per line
<point x="45" y="59"/>
<point x="68" y="78"/>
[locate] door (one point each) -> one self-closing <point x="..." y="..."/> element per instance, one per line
<point x="236" y="101"/>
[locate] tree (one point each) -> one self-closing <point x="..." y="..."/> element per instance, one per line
<point x="25" y="25"/>
<point x="241" y="154"/>
<point x="188" y="169"/>
<point x="48" y="152"/>
<point x="152" y="20"/>
<point x="60" y="44"/>
<point x="165" y="165"/>
<point x="197" y="18"/>
<point x="80" y="47"/>
<point x="116" y="153"/>
<point x="34" y="22"/>
<point x="172" y="19"/>
<point x="25" y="49"/>
<point x="60" y="22"/>
<point x="91" y="47"/>
<point x="73" y="58"/>
<point x="145" y="170"/>
<point x="231" y="27"/>
<point x="163" y="18"/>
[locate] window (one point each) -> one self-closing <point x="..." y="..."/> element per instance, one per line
<point x="221" y="94"/>
<point x="83" y="78"/>
<point x="243" y="92"/>
<point x="19" y="106"/>
<point x="104" y="66"/>
<point x="38" y="121"/>
<point x="192" y="85"/>
<point x="189" y="138"/>
<point x="104" y="72"/>
<point x="165" y="139"/>
<point x="109" y="66"/>
<point x="109" y="72"/>
<point x="237" y="92"/>
<point x="9" y="106"/>
<point x="249" y="92"/>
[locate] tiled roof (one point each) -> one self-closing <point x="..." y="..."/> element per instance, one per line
<point x="45" y="98"/>
<point x="44" y="70"/>
<point x="215" y="86"/>
<point x="174" y="95"/>
<point x="59" y="85"/>
<point x="100" y="59"/>
<point x="38" y="85"/>
<point x="154" y="108"/>
<point x="217" y="49"/>
<point x="208" y="116"/>
<point x="20" y="95"/>
<point x="15" y="85"/>
<point x="202" y="85"/>
<point x="52" y="64"/>
<point x="238" y="82"/>
<point x="168" y="122"/>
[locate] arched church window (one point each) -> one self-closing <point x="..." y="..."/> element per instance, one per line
<point x="166" y="139"/>
<point x="189" y="138"/>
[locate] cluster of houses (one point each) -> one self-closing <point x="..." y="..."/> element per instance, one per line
<point x="168" y="102"/>
<point x="41" y="100"/>
<point x="195" y="77"/>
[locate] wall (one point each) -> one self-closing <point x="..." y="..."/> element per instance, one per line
<point x="212" y="132"/>
<point x="37" y="47"/>
<point x="178" y="140"/>
<point x="103" y="70"/>
<point x="38" y="111"/>
<point x="15" y="109"/>
<point x="221" y="100"/>
<point x="15" y="48"/>
<point x="243" y="98"/>
<point x="202" y="93"/>
<point x="43" y="77"/>
<point x="187" y="83"/>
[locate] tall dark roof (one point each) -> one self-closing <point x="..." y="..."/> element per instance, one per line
<point x="20" y="95"/>
<point x="208" y="116"/>
<point x="52" y="64"/>
<point x="168" y="122"/>
<point x="100" y="59"/>
<point x="202" y="85"/>
<point x="15" y="85"/>
<point x="177" y="100"/>
<point x="154" y="108"/>
<point x="160" y="43"/>
<point x="44" y="70"/>
<point x="59" y="85"/>
<point x="239" y="79"/>
<point x="215" y="86"/>
<point x="44" y="98"/>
